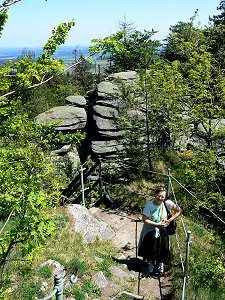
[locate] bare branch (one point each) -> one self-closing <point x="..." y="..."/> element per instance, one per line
<point x="9" y="2"/>
<point x="9" y="217"/>
<point x="14" y="161"/>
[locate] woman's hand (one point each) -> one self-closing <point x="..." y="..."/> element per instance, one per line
<point x="162" y="224"/>
<point x="166" y="222"/>
<point x="146" y="220"/>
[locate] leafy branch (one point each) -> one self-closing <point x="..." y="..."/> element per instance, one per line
<point x="28" y="74"/>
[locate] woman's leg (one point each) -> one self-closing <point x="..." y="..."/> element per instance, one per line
<point x="163" y="252"/>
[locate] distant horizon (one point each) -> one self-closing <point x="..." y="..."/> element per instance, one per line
<point x="36" y="47"/>
<point x="30" y="23"/>
<point x="64" y="51"/>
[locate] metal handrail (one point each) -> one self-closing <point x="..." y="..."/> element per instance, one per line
<point x="59" y="283"/>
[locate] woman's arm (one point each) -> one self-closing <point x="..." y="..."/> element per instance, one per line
<point x="146" y="220"/>
<point x="177" y="212"/>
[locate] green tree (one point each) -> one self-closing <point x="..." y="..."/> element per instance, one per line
<point x="153" y="113"/>
<point x="127" y="50"/>
<point x="30" y="183"/>
<point x="215" y="36"/>
<point x="219" y="19"/>
<point x="183" y="39"/>
<point x="203" y="107"/>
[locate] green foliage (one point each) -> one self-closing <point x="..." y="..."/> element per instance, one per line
<point x="58" y="37"/>
<point x="127" y="50"/>
<point x="219" y="19"/>
<point x="30" y="184"/>
<point x="25" y="73"/>
<point x="81" y="74"/>
<point x="3" y="19"/>
<point x="81" y="265"/>
<point x="61" y="221"/>
<point x="45" y="272"/>
<point x="206" y="266"/>
<point x="202" y="175"/>
<point x="104" y="264"/>
<point x="153" y="109"/>
<point x="88" y="288"/>
<point x="44" y="97"/>
<point x="183" y="40"/>
<point x="29" y="291"/>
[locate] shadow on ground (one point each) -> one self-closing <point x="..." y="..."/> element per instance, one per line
<point x="138" y="265"/>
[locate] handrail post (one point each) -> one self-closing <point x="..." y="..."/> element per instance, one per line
<point x="58" y="282"/>
<point x="82" y="184"/>
<point x="186" y="268"/>
<point x="169" y="183"/>
<point x="100" y="176"/>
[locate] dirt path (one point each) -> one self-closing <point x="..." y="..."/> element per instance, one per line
<point x="127" y="232"/>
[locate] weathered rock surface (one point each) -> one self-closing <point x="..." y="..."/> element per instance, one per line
<point x="78" y="101"/>
<point x="96" y="114"/>
<point x="107" y="90"/>
<point x="88" y="226"/>
<point x="124" y="76"/>
<point x="106" y="148"/>
<point x="103" y="112"/>
<point x="67" y="118"/>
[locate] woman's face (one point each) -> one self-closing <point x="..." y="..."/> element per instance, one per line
<point x="160" y="197"/>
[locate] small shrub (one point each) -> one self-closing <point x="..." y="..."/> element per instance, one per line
<point x="105" y="264"/>
<point x="45" y="272"/>
<point x="82" y="266"/>
<point x="61" y="221"/>
<point x="88" y="288"/>
<point x="30" y="291"/>
<point x="91" y="288"/>
<point x="79" y="293"/>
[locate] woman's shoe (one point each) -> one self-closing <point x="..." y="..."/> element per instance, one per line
<point x="161" y="268"/>
<point x="150" y="268"/>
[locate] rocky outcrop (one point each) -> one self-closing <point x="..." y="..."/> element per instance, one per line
<point x="104" y="104"/>
<point x="95" y="114"/>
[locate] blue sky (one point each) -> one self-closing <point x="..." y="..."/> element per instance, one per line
<point x="31" y="21"/>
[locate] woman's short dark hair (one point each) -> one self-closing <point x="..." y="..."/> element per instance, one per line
<point x="159" y="189"/>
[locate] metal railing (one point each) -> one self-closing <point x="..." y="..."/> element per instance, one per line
<point x="184" y="262"/>
<point x="59" y="284"/>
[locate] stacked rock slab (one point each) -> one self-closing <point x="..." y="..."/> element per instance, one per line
<point x="68" y="119"/>
<point x="103" y="113"/>
<point x="95" y="114"/>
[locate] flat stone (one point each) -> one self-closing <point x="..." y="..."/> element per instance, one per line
<point x="79" y="101"/>
<point x="65" y="117"/>
<point x="100" y="280"/>
<point x="107" y="90"/>
<point x="129" y="75"/>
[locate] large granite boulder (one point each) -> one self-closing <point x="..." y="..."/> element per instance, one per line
<point x="106" y="148"/>
<point x="88" y="226"/>
<point x="96" y="114"/>
<point x="67" y="118"/>
<point x="125" y="77"/>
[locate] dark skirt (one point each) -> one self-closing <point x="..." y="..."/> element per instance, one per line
<point x="155" y="249"/>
